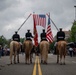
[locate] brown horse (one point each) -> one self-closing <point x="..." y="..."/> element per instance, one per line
<point x="61" y="50"/>
<point x="44" y="48"/>
<point x="27" y="46"/>
<point x="14" y="49"/>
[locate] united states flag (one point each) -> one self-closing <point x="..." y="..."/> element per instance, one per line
<point x="49" y="34"/>
<point x="40" y="20"/>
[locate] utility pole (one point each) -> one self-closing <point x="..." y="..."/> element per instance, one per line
<point x="75" y="21"/>
<point x="75" y="13"/>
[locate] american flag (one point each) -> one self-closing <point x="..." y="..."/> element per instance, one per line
<point x="40" y="20"/>
<point x="49" y="34"/>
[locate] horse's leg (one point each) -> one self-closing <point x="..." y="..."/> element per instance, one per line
<point x="57" y="56"/>
<point x="18" y="56"/>
<point x="46" y="58"/>
<point x="25" y="58"/>
<point x="41" y="58"/>
<point x="11" y="54"/>
<point x="30" y="57"/>
<point x="60" y="59"/>
<point x="11" y="58"/>
<point x="64" y="56"/>
<point x="15" y="57"/>
<point x="64" y="60"/>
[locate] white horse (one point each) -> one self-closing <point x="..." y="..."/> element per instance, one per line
<point x="61" y="51"/>
<point x="14" y="50"/>
<point x="44" y="48"/>
<point x="27" y="46"/>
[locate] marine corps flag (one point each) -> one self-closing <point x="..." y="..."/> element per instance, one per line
<point x="35" y="32"/>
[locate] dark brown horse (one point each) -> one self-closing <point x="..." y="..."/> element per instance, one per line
<point x="27" y="46"/>
<point x="14" y="50"/>
<point x="61" y="50"/>
<point x="44" y="48"/>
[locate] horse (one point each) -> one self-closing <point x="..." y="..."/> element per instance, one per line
<point x="14" y="50"/>
<point x="61" y="50"/>
<point x="44" y="48"/>
<point x="27" y="46"/>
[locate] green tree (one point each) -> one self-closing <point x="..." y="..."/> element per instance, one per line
<point x="73" y="32"/>
<point x="3" y="41"/>
<point x="22" y="40"/>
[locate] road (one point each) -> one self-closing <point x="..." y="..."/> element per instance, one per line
<point x="36" y="68"/>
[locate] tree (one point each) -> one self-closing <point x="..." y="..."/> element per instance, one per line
<point x="73" y="32"/>
<point x="3" y="41"/>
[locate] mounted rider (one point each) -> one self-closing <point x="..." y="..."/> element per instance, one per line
<point x="43" y="35"/>
<point x="28" y="35"/>
<point x="16" y="37"/>
<point x="60" y="35"/>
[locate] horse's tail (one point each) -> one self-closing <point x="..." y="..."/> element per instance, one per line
<point x="63" y="47"/>
<point x="44" y="48"/>
<point x="11" y="49"/>
<point x="28" y="47"/>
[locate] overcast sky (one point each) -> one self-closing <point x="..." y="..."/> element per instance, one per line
<point x="14" y="12"/>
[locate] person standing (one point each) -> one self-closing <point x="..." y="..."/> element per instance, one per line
<point x="71" y="51"/>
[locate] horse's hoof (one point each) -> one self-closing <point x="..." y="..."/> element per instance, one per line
<point x="45" y="62"/>
<point x="18" y="62"/>
<point x="31" y="62"/>
<point x="9" y="64"/>
<point x="64" y="64"/>
<point x="57" y="62"/>
<point x="28" y="63"/>
<point x="41" y="61"/>
<point x="14" y="62"/>
<point x="60" y="63"/>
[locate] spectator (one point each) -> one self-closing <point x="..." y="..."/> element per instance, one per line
<point x="71" y="51"/>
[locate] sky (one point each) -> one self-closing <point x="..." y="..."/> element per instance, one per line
<point x="14" y="12"/>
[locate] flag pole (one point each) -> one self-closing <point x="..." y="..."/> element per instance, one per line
<point x="52" y="22"/>
<point x="23" y="22"/>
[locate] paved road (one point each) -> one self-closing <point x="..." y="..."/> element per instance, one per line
<point x="50" y="69"/>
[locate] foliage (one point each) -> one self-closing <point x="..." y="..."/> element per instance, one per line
<point x="52" y="46"/>
<point x="73" y="32"/>
<point x="21" y="40"/>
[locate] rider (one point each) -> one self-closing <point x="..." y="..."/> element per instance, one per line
<point x="43" y="35"/>
<point x="16" y="37"/>
<point x="28" y="35"/>
<point x="60" y="35"/>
